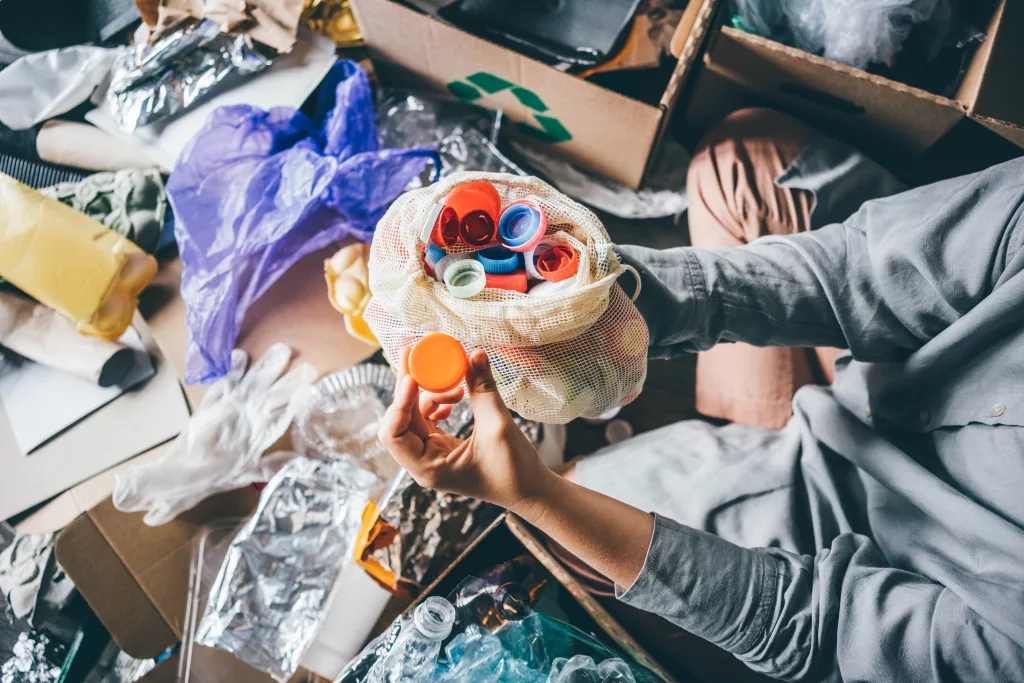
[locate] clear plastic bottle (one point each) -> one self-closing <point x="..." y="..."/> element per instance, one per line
<point x="413" y="657"/>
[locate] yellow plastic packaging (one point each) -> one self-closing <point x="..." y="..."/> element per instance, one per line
<point x="349" y="290"/>
<point x="70" y="262"/>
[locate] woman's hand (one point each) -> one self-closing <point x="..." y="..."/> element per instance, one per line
<point x="497" y="463"/>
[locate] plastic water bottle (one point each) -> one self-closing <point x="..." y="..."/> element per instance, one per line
<point x="413" y="657"/>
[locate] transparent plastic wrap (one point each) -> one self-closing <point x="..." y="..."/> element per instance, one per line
<point x="271" y="594"/>
<point x="465" y="135"/>
<point x="577" y="353"/>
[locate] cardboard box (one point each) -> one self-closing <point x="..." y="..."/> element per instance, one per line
<point x="135" y="577"/>
<point x="591" y="126"/>
<point x="884" y="117"/>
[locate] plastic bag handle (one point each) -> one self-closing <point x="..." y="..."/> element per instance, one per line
<point x="636" y="276"/>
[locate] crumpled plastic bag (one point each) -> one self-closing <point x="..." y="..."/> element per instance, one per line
<point x="220" y="449"/>
<point x="582" y="669"/>
<point x="853" y="32"/>
<point x="255" y="191"/>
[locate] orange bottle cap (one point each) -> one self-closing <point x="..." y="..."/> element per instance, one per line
<point x="558" y="263"/>
<point x="479" y="195"/>
<point x="438" y="362"/>
<point x="445" y="232"/>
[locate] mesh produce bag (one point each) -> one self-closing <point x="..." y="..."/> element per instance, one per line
<point x="577" y="353"/>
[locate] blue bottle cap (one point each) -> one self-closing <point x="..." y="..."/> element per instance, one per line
<point x="498" y="260"/>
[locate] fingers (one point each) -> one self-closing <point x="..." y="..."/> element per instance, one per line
<point x="395" y="430"/>
<point x="432" y="404"/>
<point x="483" y="392"/>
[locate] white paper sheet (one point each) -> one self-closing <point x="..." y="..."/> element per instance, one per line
<point x="42" y="402"/>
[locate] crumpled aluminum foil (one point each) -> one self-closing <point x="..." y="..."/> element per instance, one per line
<point x="37" y="659"/>
<point x="465" y="135"/>
<point x="269" y="598"/>
<point x="433" y="528"/>
<point x="153" y="82"/>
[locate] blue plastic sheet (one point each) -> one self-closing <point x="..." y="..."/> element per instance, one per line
<point x="254" y="191"/>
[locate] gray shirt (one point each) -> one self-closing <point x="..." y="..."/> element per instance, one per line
<point x="911" y="465"/>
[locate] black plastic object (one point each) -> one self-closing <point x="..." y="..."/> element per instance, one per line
<point x="578" y="32"/>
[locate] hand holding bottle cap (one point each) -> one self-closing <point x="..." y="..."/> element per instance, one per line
<point x="558" y="263"/>
<point x="465" y="278"/>
<point x="522" y="225"/>
<point x="498" y="260"/>
<point x="437" y="362"/>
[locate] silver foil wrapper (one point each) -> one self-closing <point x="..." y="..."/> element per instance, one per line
<point x="269" y="598"/>
<point x="465" y="135"/>
<point x="342" y="417"/>
<point x="154" y="82"/>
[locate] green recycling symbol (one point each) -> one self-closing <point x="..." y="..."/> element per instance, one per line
<point x="550" y="129"/>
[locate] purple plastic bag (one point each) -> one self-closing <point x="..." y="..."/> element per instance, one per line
<point x="254" y="191"/>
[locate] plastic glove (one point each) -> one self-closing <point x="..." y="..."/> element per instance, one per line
<point x="239" y="418"/>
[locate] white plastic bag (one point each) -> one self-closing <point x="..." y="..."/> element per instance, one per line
<point x="578" y="353"/>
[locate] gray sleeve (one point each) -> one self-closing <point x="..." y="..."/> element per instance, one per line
<point x="884" y="282"/>
<point x="842" y="615"/>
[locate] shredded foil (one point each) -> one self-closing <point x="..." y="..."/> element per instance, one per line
<point x="154" y="82"/>
<point x="268" y="600"/>
<point x="36" y="659"/>
<point x="334" y="19"/>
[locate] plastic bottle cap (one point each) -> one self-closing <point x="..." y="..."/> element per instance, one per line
<point x="465" y="278"/>
<point x="558" y="263"/>
<point x="522" y="225"/>
<point x="433" y="253"/>
<point x="515" y="281"/>
<point x="498" y="260"/>
<point x="531" y="256"/>
<point x="544" y="288"/>
<point x="477" y="228"/>
<point x="437" y="362"/>
<point x="428" y="225"/>
<point x="441" y="266"/>
<point x="445" y="232"/>
<point x="479" y="195"/>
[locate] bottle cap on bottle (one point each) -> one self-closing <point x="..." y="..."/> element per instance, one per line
<point x="522" y="225"/>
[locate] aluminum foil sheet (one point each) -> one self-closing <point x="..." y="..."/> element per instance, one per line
<point x="268" y="600"/>
<point x="465" y="135"/>
<point x="342" y="417"/>
<point x="154" y="82"/>
<point x="36" y="659"/>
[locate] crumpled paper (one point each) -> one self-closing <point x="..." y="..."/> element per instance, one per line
<point x="37" y="659"/>
<point x="255" y="191"/>
<point x="33" y="584"/>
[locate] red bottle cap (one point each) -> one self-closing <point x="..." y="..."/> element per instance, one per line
<point x="558" y="263"/>
<point x="477" y="229"/>
<point x="514" y="281"/>
<point x="446" y="228"/>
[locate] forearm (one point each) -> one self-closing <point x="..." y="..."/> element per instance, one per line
<point x="608" y="535"/>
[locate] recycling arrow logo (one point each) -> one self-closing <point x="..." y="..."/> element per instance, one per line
<point x="550" y="129"/>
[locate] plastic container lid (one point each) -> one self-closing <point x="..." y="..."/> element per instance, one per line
<point x="498" y="260"/>
<point x="514" y="281"/>
<point x="558" y="263"/>
<point x="465" y="278"/>
<point x="522" y="225"/>
<point x="438" y="362"/>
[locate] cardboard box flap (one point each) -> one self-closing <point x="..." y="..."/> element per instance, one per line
<point x="1000" y="60"/>
<point x="1014" y="134"/>
<point x="873" y="107"/>
<point x="550" y="106"/>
